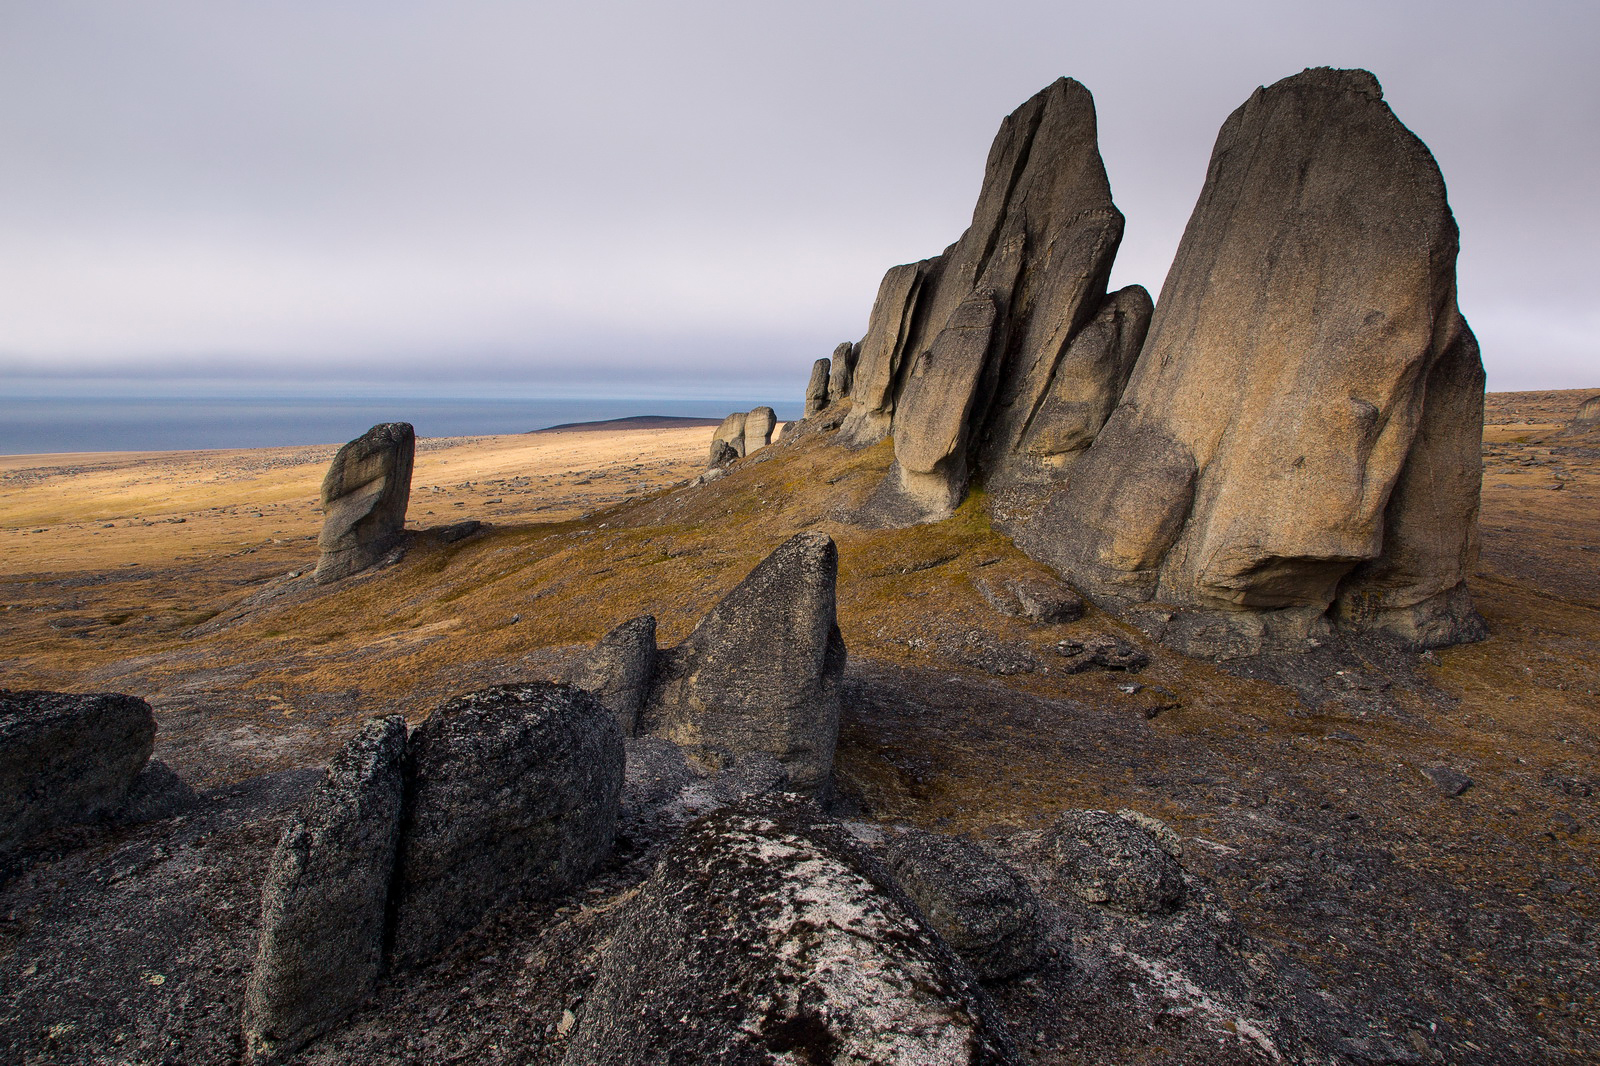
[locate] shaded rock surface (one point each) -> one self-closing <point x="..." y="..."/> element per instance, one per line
<point x="618" y="669"/>
<point x="364" y="498"/>
<point x="760" y="672"/>
<point x="983" y="910"/>
<point x="325" y="897"/>
<point x="511" y="794"/>
<point x="765" y="936"/>
<point x="67" y="758"/>
<point x="817" y="387"/>
<point x="1299" y="437"/>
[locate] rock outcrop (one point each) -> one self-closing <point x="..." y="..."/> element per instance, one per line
<point x="617" y="671"/>
<point x="764" y="936"/>
<point x="1298" y="443"/>
<point x="324" y="901"/>
<point x="817" y="387"/>
<point x="731" y="433"/>
<point x="364" y="497"/>
<point x="758" y="425"/>
<point x="1586" y="423"/>
<point x="511" y="794"/>
<point x="1123" y="860"/>
<point x="66" y="759"/>
<point x="841" y="371"/>
<point x="760" y="672"/>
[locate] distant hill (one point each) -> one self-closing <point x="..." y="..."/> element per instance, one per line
<point x="632" y="422"/>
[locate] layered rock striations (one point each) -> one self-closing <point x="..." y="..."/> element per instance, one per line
<point x="1298" y="444"/>
<point x="364" y="497"/>
<point x="1286" y="446"/>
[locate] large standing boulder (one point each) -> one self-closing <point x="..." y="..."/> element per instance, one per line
<point x="758" y="425"/>
<point x="760" y="673"/>
<point x="765" y="937"/>
<point x="325" y="898"/>
<point x="511" y="794"/>
<point x="67" y="758"/>
<point x="1298" y="441"/>
<point x="817" y="387"/>
<point x="364" y="497"/>
<point x="731" y="433"/>
<point x="618" y="669"/>
<point x="841" y="371"/>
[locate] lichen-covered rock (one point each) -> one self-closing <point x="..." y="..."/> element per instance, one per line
<point x="511" y="793"/>
<point x="1298" y="441"/>
<point x="817" y="387"/>
<point x="1031" y="596"/>
<point x="758" y="425"/>
<point x="765" y="937"/>
<point x="760" y="672"/>
<point x="1124" y="860"/>
<point x="983" y="910"/>
<point x="325" y="897"/>
<point x="722" y="454"/>
<point x="364" y="497"/>
<point x="617" y="670"/>
<point x="67" y="758"/>
<point x="731" y="433"/>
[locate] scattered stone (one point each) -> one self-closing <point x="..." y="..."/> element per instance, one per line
<point x="1450" y="781"/>
<point x="983" y="910"/>
<point x="766" y="936"/>
<point x="325" y="897"/>
<point x="617" y="670"/>
<point x="364" y="499"/>
<point x="511" y="793"/>
<point x="1100" y="650"/>
<point x="1332" y="350"/>
<point x="760" y="673"/>
<point x="758" y="429"/>
<point x="817" y="387"/>
<point x="1118" y="860"/>
<point x="66" y="758"/>
<point x="1036" y="598"/>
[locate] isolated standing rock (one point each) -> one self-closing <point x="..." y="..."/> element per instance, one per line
<point x="841" y="371"/>
<point x="364" y="497"/>
<point x="325" y="897"/>
<point x="817" y="387"/>
<point x="511" y="794"/>
<point x="764" y="937"/>
<point x="760" y="673"/>
<point x="758" y="428"/>
<point x="1299" y="437"/>
<point x="618" y="669"/>
<point x="731" y="432"/>
<point x="67" y="758"/>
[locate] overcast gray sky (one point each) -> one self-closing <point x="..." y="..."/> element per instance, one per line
<point x="438" y="195"/>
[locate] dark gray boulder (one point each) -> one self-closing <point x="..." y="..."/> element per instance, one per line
<point x="1124" y="860"/>
<point x="325" y="897"/>
<point x="618" y="669"/>
<point x="67" y="758"/>
<point x="758" y="425"/>
<point x="364" y="497"/>
<point x="511" y="794"/>
<point x="1297" y="446"/>
<point x="760" y="672"/>
<point x="841" y="371"/>
<point x="765" y="936"/>
<point x="722" y="454"/>
<point x="983" y="910"/>
<point x="817" y="387"/>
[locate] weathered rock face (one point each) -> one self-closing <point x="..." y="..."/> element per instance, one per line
<point x="758" y="428"/>
<point x="511" y="794"/>
<point x="760" y="673"/>
<point x="364" y="497"/>
<point x="765" y="937"/>
<point x="1123" y="860"/>
<point x="617" y="671"/>
<point x="817" y="387"/>
<point x="324" y="900"/>
<point x="983" y="910"/>
<point x="1298" y="441"/>
<point x="722" y="453"/>
<point x="67" y="758"/>
<point x="731" y="432"/>
<point x="841" y="371"/>
<point x="1586" y="423"/>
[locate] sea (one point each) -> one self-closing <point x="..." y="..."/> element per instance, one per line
<point x="30" y="425"/>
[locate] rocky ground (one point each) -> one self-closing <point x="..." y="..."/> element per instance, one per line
<point x="1405" y="845"/>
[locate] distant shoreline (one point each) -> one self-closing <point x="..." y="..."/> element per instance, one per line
<point x="631" y="422"/>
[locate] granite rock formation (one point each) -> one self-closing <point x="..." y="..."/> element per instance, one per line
<point x="1123" y="860"/>
<point x="1298" y="444"/>
<point x="758" y="425"/>
<point x="760" y="672"/>
<point x="618" y="669"/>
<point x="731" y="433"/>
<point x="324" y="901"/>
<point x="511" y="793"/>
<point x="364" y="497"/>
<point x="66" y="759"/>
<point x="765" y="936"/>
<point x="1586" y="423"/>
<point x="817" y="387"/>
<point x="841" y="371"/>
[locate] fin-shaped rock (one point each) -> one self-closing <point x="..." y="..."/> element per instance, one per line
<point x="842" y="371"/>
<point x="817" y="387"/>
<point x="883" y="351"/>
<point x="364" y="498"/>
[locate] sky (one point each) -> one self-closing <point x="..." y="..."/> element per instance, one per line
<point x="541" y="198"/>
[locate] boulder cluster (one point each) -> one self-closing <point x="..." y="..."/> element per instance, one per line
<point x="1283" y="447"/>
<point x="742" y="433"/>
